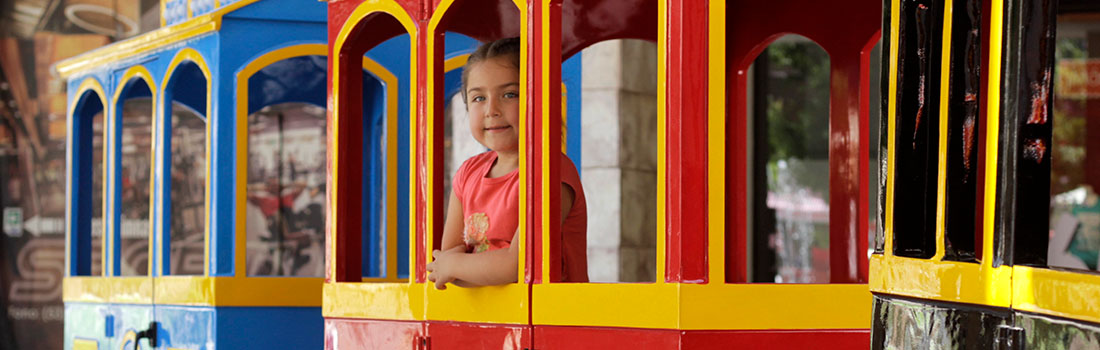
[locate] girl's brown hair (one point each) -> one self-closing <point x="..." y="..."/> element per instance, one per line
<point x="507" y="48"/>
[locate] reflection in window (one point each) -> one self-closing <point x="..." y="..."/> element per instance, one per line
<point x="285" y="209"/>
<point x="1075" y="167"/>
<point x="618" y="163"/>
<point x="188" y="193"/>
<point x="134" y="180"/>
<point x="789" y="112"/>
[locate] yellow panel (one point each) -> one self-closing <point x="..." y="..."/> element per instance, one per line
<point x="124" y="290"/>
<point x="605" y="305"/>
<point x="775" y="306"/>
<point x="1074" y="295"/>
<point x="267" y="291"/>
<point x="716" y="144"/>
<point x="945" y="87"/>
<point x="382" y="301"/>
<point x="506" y="304"/>
<point x="196" y="290"/>
<point x="941" y="280"/>
<point x="85" y="344"/>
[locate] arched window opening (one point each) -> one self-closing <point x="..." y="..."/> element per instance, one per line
<point x="134" y="179"/>
<point x="89" y="136"/>
<point x="287" y="168"/>
<point x="788" y="113"/>
<point x="185" y="209"/>
<point x="618" y="156"/>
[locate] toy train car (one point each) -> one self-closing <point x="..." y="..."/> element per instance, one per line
<point x="237" y="189"/>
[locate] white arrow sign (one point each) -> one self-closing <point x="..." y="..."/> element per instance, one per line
<point x="38" y="226"/>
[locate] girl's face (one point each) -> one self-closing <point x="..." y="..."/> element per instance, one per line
<point x="492" y="100"/>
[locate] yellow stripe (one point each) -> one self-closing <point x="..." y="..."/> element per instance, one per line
<point x="950" y="281"/>
<point x="190" y="55"/>
<point x="195" y="290"/>
<point x="1074" y="295"/>
<point x="891" y="120"/>
<point x="662" y="139"/>
<point x="544" y="144"/>
<point x="455" y="62"/>
<point x="85" y="344"/>
<point x="945" y="87"/>
<point x="716" y="145"/>
<point x="997" y="287"/>
<point x="380" y="301"/>
<point x="147" y="42"/>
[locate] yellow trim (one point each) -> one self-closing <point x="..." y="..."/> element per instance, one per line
<point x="774" y="306"/>
<point x="716" y="143"/>
<point x="458" y="304"/>
<point x="93" y="85"/>
<point x="118" y="290"/>
<point x="189" y="54"/>
<point x="163" y="12"/>
<point x="703" y="306"/>
<point x="383" y="301"/>
<point x="147" y="42"/>
<point x="662" y="139"/>
<point x="195" y="290"/>
<point x="403" y="301"/>
<point x="138" y="72"/>
<point x="85" y="344"/>
<point x="544" y="142"/>
<point x="189" y="14"/>
<point x="455" y="62"/>
<point x="945" y="87"/>
<point x="891" y="115"/>
<point x="993" y="125"/>
<point x="949" y="281"/>
<point x="240" y="250"/>
<point x="1074" y="295"/>
<point x="507" y="304"/>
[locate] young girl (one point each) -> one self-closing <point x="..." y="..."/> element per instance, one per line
<point x="483" y="214"/>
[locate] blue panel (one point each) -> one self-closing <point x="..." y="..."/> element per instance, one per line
<point x="374" y="168"/>
<point x="295" y="79"/>
<point x="455" y="44"/>
<point x="240" y="45"/>
<point x="284" y="10"/>
<point x="188" y="327"/>
<point x="188" y="86"/>
<point x="571" y="77"/>
<point x="398" y="65"/>
<point x="269" y="328"/>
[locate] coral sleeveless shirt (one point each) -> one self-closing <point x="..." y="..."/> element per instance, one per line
<point x="490" y="211"/>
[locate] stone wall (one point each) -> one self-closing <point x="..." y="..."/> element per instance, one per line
<point x="619" y="153"/>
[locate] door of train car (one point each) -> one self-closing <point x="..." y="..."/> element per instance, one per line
<point x="990" y="215"/>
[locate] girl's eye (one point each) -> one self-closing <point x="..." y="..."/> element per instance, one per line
<point x="511" y="95"/>
<point x="477" y="99"/>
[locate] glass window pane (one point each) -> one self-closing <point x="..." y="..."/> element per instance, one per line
<point x="285" y="210"/>
<point x="1075" y="165"/>
<point x="135" y="176"/>
<point x="188" y="193"/>
<point x="790" y="163"/>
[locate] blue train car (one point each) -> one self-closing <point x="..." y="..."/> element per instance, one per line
<point x="196" y="190"/>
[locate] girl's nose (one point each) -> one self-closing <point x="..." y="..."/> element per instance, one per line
<point x="494" y="108"/>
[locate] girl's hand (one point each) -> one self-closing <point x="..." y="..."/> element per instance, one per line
<point x="441" y="271"/>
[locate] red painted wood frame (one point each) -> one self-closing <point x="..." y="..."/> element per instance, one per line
<point x="847" y="31"/>
<point x="557" y="337"/>
<point x="370" y="32"/>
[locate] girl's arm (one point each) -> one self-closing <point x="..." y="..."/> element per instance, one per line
<point x="452" y="225"/>
<point x="486" y="268"/>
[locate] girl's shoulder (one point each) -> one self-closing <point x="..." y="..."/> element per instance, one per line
<point x="471" y="169"/>
<point x="477" y="162"/>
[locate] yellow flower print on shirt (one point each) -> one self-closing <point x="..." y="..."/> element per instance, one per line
<point x="474" y="232"/>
